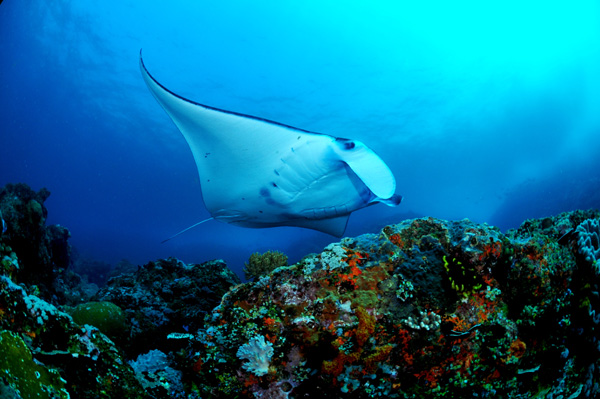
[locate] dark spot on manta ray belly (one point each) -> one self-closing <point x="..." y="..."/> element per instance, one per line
<point x="274" y="184"/>
<point x="276" y="172"/>
<point x="264" y="192"/>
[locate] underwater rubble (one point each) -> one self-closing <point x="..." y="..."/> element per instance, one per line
<point x="424" y="308"/>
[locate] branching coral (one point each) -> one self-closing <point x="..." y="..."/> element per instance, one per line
<point x="425" y="320"/>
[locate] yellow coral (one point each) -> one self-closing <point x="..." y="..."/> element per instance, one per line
<point x="262" y="264"/>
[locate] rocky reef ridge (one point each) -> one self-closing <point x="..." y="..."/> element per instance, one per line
<point x="424" y="308"/>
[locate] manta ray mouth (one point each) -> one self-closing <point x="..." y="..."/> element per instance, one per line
<point x="230" y="216"/>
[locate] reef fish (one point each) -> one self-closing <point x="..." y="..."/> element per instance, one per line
<point x="259" y="173"/>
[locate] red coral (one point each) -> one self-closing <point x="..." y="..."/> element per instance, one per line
<point x="197" y="365"/>
<point x="349" y="278"/>
<point x="396" y="239"/>
<point x="269" y="322"/>
<point x="493" y="249"/>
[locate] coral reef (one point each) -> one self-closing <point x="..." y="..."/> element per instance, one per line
<point x="43" y="251"/>
<point x="45" y="354"/>
<point x="159" y="379"/>
<point x="426" y="308"/>
<point x="262" y="264"/>
<point x="166" y="296"/>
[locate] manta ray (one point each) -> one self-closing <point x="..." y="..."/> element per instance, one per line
<point x="259" y="173"/>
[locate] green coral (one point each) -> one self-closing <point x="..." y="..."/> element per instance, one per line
<point x="262" y="264"/>
<point x="106" y="316"/>
<point x="23" y="374"/>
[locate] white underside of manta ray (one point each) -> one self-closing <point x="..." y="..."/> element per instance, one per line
<point x="258" y="173"/>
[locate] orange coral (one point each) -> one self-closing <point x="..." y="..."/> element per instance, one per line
<point x="517" y="349"/>
<point x="30" y="334"/>
<point x="366" y="326"/>
<point x="364" y="330"/>
<point x="355" y="258"/>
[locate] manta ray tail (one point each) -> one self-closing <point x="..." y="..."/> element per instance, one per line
<point x="184" y="230"/>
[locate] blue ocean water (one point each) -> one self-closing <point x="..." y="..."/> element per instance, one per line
<point x="482" y="111"/>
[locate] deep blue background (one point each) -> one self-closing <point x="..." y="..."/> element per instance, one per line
<point x="487" y="112"/>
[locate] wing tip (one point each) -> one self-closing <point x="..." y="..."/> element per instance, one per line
<point x="392" y="201"/>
